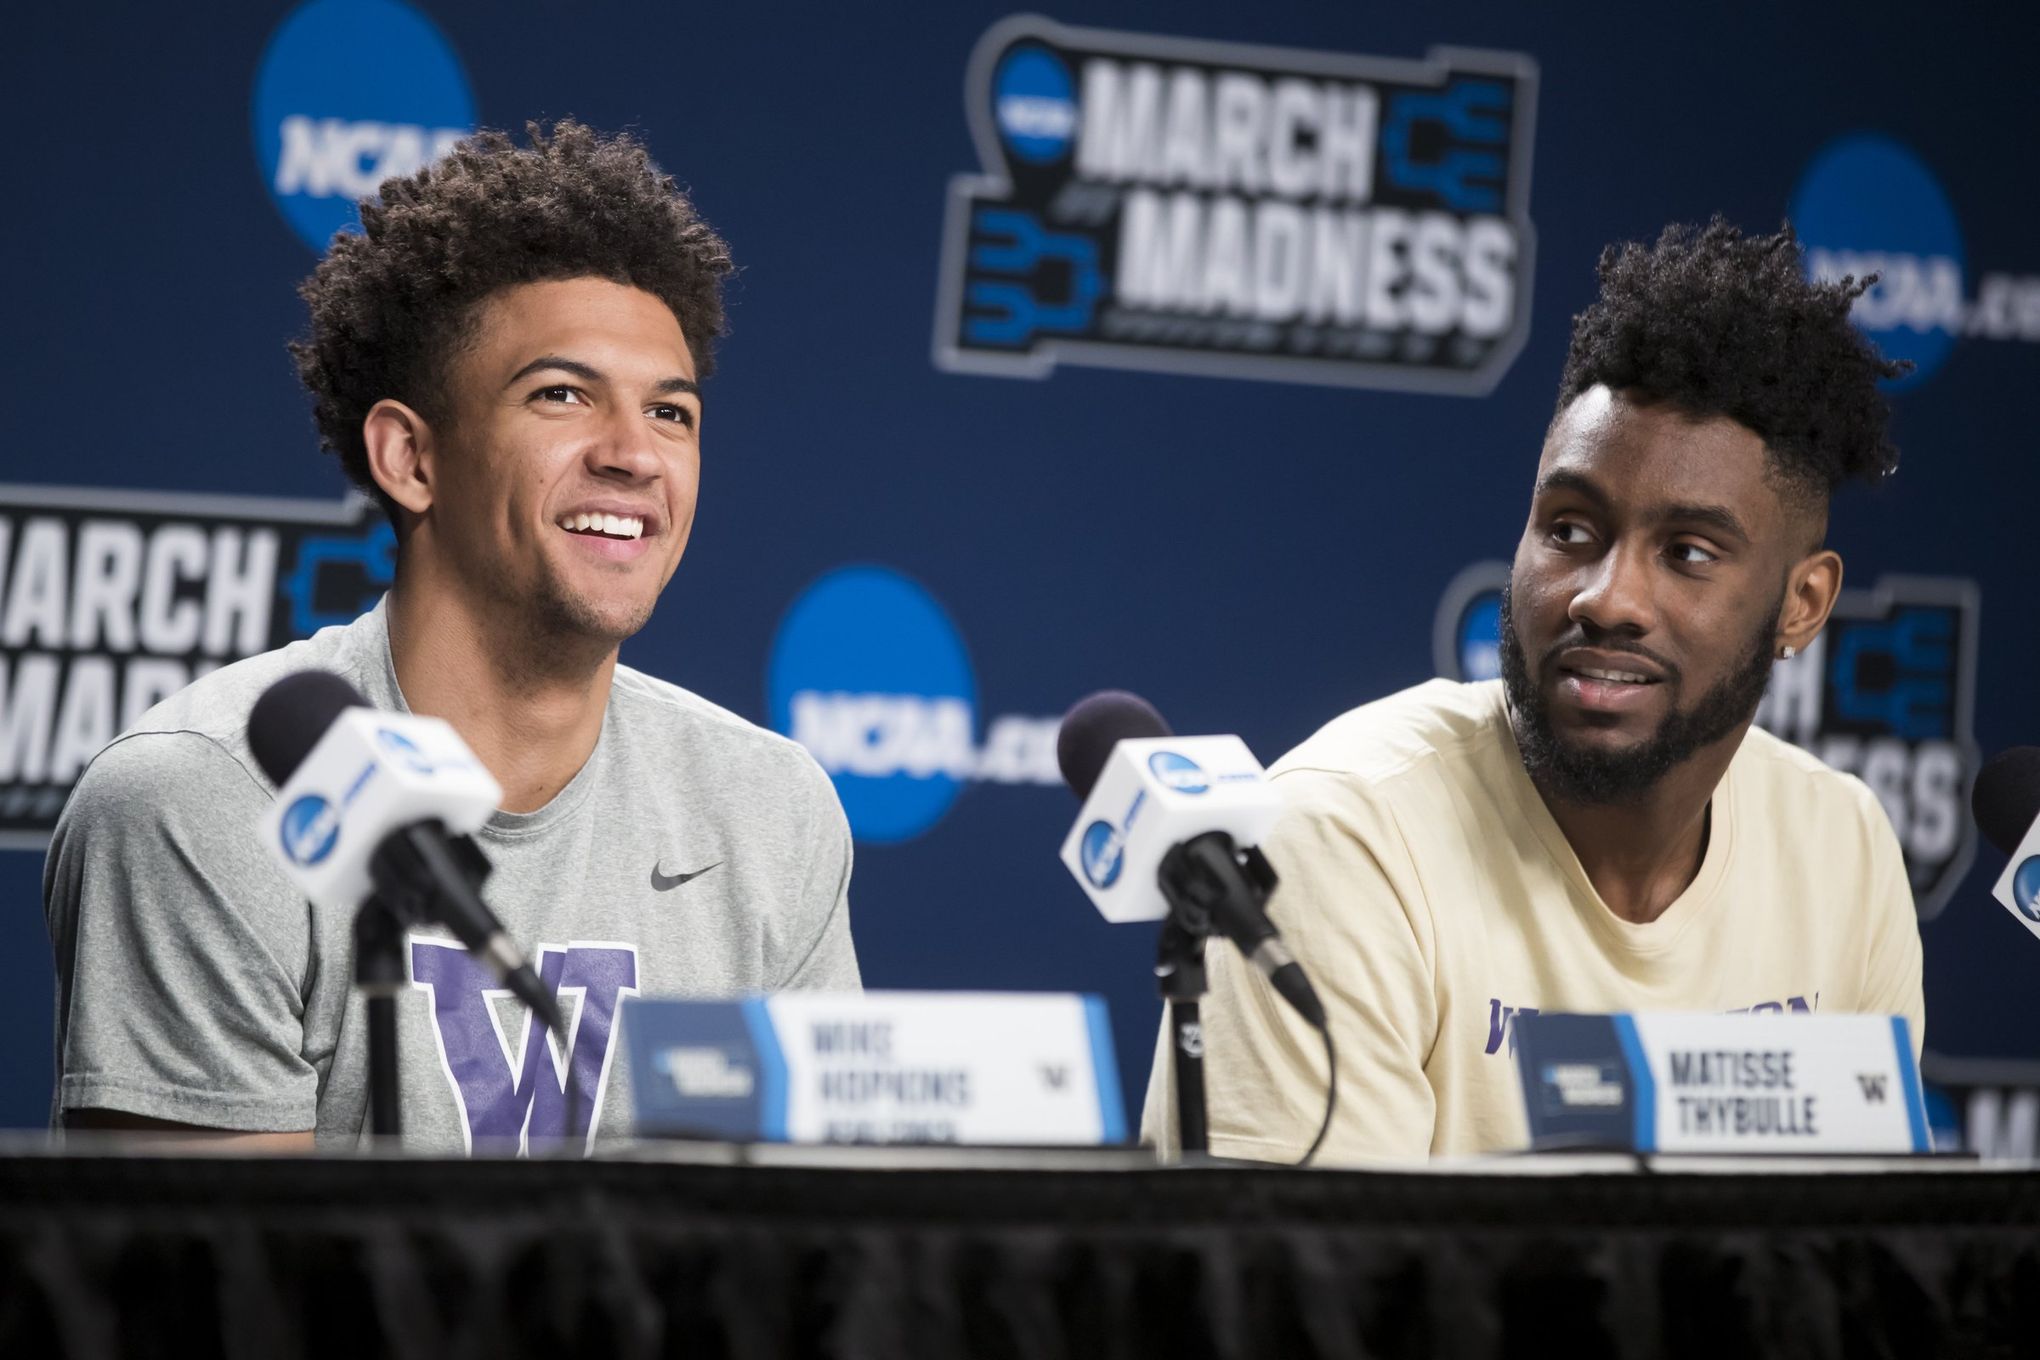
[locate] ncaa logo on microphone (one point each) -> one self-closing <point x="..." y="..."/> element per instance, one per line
<point x="1104" y="853"/>
<point x="310" y="828"/>
<point x="1178" y="773"/>
<point x="404" y="749"/>
<point x="2026" y="889"/>
<point x="869" y="672"/>
<point x="350" y="93"/>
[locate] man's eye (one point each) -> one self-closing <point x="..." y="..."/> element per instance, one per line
<point x="1565" y="531"/>
<point x="678" y="414"/>
<point x="1692" y="553"/>
<point x="561" y="394"/>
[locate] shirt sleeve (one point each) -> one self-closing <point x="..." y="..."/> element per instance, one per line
<point x="1352" y="912"/>
<point x="829" y="962"/>
<point x="1891" y="966"/>
<point x="181" y="950"/>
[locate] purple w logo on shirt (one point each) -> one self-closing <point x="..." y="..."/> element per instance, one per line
<point x="515" y="1093"/>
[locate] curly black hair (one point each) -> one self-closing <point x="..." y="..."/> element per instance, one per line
<point x="391" y="305"/>
<point x="1717" y="323"/>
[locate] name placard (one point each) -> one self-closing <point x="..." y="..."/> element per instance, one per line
<point x="1721" y="1083"/>
<point x="987" y="1068"/>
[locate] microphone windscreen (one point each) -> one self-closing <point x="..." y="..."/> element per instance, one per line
<point x="2007" y="796"/>
<point x="1093" y="726"/>
<point x="292" y="715"/>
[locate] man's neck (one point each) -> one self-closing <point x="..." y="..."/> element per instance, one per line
<point x="532" y="725"/>
<point x="1640" y="854"/>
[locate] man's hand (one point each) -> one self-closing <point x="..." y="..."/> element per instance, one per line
<point x="162" y="1133"/>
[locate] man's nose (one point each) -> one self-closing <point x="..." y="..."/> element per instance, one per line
<point x="628" y="448"/>
<point x="1616" y="594"/>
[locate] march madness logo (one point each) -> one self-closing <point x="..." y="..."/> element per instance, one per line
<point x="1887" y="692"/>
<point x="1199" y="207"/>
<point x="110" y="601"/>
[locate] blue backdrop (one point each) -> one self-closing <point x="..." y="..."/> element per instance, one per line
<point x="1254" y="535"/>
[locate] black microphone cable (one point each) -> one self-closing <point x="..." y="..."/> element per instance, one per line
<point x="1331" y="1094"/>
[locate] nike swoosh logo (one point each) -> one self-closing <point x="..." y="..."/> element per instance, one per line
<point x="661" y="882"/>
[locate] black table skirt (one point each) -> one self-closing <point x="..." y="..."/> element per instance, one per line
<point x="262" y="1258"/>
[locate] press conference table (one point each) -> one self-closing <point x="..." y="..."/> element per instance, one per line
<point x="709" y="1249"/>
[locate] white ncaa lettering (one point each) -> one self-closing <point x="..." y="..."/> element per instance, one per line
<point x="336" y="157"/>
<point x="884" y="736"/>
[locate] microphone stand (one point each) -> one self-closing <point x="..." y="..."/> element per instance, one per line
<point x="1179" y="968"/>
<point x="379" y="973"/>
<point x="1207" y="880"/>
<point x="404" y="897"/>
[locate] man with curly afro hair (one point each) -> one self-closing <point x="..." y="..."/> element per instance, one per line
<point x="509" y="356"/>
<point x="1601" y="829"/>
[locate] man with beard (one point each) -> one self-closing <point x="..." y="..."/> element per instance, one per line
<point x="1601" y="830"/>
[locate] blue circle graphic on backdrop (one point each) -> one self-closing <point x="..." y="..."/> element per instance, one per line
<point x="1035" y="104"/>
<point x="1866" y="205"/>
<point x="1103" y="854"/>
<point x="2026" y="888"/>
<point x="868" y="672"/>
<point x="310" y="827"/>
<point x="350" y="92"/>
<point x="1480" y="639"/>
<point x="1178" y="772"/>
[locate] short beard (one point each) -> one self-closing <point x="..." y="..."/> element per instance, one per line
<point x="1580" y="775"/>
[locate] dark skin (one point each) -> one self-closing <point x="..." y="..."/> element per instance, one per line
<point x="1657" y="545"/>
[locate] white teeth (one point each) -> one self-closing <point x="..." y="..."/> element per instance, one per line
<point x="1626" y="677"/>
<point x="615" y="526"/>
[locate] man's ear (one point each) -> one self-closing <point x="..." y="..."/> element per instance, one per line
<point x="1810" y="591"/>
<point x="400" y="454"/>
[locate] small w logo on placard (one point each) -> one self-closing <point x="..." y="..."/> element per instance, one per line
<point x="1873" y="1087"/>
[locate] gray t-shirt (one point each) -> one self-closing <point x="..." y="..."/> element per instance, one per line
<point x="695" y="854"/>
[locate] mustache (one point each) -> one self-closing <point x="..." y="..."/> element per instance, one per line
<point x="1579" y="639"/>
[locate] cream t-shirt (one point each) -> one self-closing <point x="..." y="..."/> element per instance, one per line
<point x="1432" y="898"/>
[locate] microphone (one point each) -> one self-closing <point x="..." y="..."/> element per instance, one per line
<point x="2006" y="801"/>
<point x="1171" y="826"/>
<point x="1093" y="727"/>
<point x="383" y="803"/>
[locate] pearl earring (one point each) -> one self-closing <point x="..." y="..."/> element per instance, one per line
<point x="1789" y="653"/>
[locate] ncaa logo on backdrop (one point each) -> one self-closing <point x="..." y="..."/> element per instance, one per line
<point x="1198" y="207"/>
<point x="1887" y="692"/>
<point x="349" y="93"/>
<point x="1866" y="204"/>
<point x="870" y="674"/>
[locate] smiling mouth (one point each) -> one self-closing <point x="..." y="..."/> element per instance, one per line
<point x="1609" y="677"/>
<point x="623" y="527"/>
